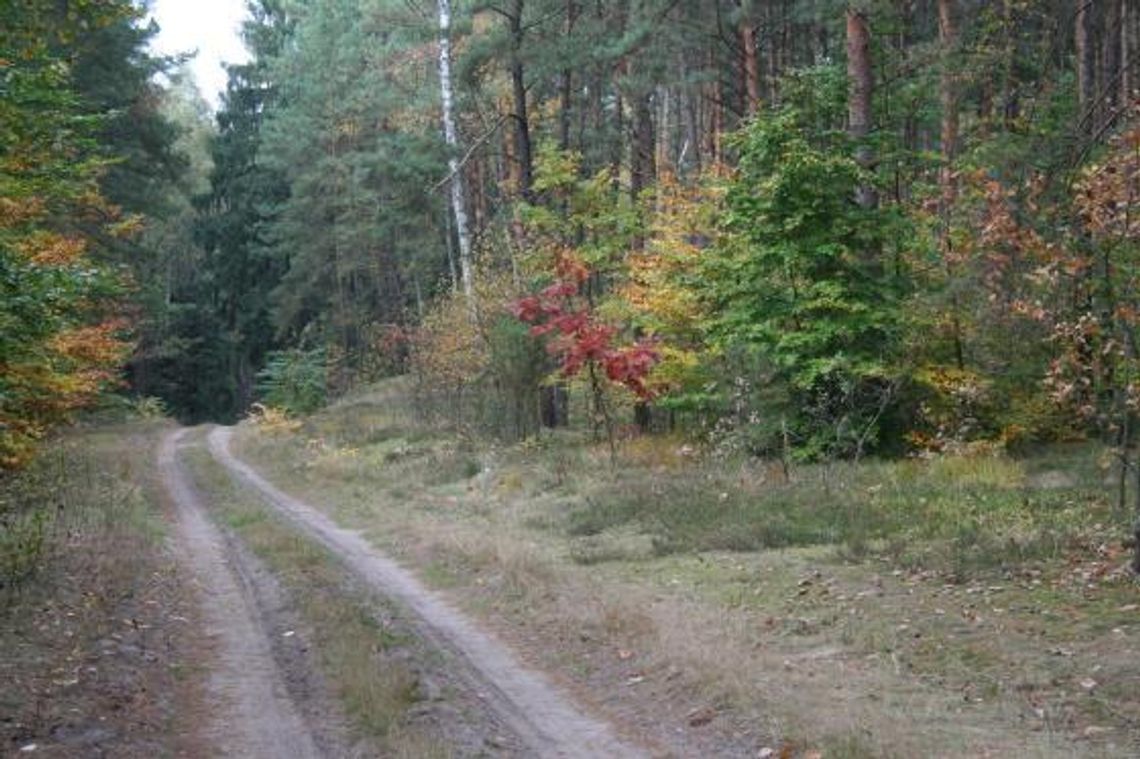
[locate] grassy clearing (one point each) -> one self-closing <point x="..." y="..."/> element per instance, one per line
<point x="954" y="514"/>
<point x="93" y="619"/>
<point x="361" y="653"/>
<point x="955" y="607"/>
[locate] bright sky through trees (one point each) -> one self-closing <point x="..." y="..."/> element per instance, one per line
<point x="212" y="27"/>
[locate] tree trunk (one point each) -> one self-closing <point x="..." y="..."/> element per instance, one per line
<point x="617" y="148"/>
<point x="451" y="136"/>
<point x="711" y="106"/>
<point x="523" y="153"/>
<point x="1086" y="64"/>
<point x="1127" y="51"/>
<point x="751" y="61"/>
<point x="643" y="168"/>
<point x="1010" y="99"/>
<point x="773" y="56"/>
<point x="948" y="95"/>
<point x="564" y="110"/>
<point x="565" y="86"/>
<point x="859" y="98"/>
<point x="692" y="136"/>
<point x="1113" y="26"/>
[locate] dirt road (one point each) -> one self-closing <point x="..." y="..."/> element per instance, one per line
<point x="252" y="714"/>
<point x="542" y="717"/>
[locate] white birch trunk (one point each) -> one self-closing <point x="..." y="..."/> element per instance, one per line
<point x="451" y="137"/>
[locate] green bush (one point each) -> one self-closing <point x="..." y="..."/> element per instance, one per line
<point x="800" y="278"/>
<point x="294" y="380"/>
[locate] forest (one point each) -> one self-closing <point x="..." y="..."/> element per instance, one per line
<point x="805" y="229"/>
<point x="693" y="348"/>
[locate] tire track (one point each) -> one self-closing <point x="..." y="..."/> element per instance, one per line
<point x="254" y="716"/>
<point x="546" y="720"/>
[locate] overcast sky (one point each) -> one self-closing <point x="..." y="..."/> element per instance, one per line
<point x="212" y="27"/>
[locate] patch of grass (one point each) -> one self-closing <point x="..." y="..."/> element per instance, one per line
<point x="957" y="514"/>
<point x="596" y="549"/>
<point x="94" y="637"/>
<point x="440" y="574"/>
<point x="515" y="572"/>
<point x="599" y="514"/>
<point x="81" y="492"/>
<point x="852" y="745"/>
<point x="872" y="631"/>
<point x="360" y="654"/>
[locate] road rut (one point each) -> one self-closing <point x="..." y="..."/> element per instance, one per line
<point x="253" y="714"/>
<point x="542" y="717"/>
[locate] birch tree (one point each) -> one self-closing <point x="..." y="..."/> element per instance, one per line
<point x="451" y="136"/>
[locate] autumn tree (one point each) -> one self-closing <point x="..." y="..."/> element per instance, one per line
<point x="61" y="332"/>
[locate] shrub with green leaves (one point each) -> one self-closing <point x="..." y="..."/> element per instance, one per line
<point x="801" y="279"/>
<point x="294" y="380"/>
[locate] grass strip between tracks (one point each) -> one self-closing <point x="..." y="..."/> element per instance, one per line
<point x="357" y="651"/>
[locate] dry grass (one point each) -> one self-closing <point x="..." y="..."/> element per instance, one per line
<point x="888" y="609"/>
<point x="94" y="647"/>
<point x="360" y="654"/>
<point x="86" y="493"/>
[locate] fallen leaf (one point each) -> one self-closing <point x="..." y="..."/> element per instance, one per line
<point x="702" y="717"/>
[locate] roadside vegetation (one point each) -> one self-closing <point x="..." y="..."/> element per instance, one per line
<point x="94" y="636"/>
<point x="954" y="605"/>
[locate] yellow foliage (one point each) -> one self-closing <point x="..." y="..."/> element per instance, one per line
<point x="1106" y="191"/>
<point x="97" y="345"/>
<point x="14" y="211"/>
<point x="52" y="249"/>
<point x="658" y="452"/>
<point x="681" y="227"/>
<point x="271" y="419"/>
<point x="678" y="366"/>
<point x="77" y="365"/>
<point x="127" y="228"/>
<point x="449" y="349"/>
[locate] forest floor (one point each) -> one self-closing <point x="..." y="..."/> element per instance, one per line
<point x="99" y="648"/>
<point x="972" y="606"/>
<point x="359" y="585"/>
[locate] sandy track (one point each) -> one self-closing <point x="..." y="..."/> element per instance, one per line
<point x="253" y="715"/>
<point x="542" y="717"/>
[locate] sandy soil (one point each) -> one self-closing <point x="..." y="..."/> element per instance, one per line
<point x="252" y="714"/>
<point x="546" y="721"/>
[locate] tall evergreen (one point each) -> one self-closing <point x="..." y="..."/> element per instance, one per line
<point x="356" y="137"/>
<point x="223" y="315"/>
